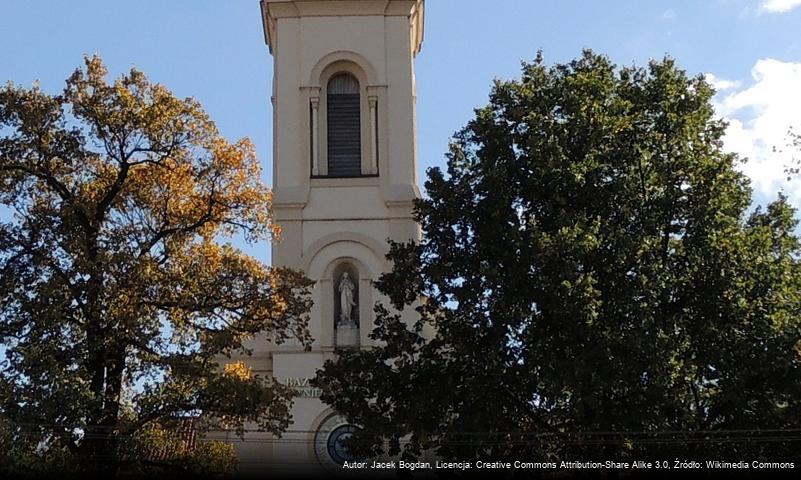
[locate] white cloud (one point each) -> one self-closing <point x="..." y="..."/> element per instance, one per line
<point x="778" y="6"/>
<point x="760" y="115"/>
<point x="721" y="84"/>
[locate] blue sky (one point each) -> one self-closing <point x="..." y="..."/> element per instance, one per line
<point x="214" y="51"/>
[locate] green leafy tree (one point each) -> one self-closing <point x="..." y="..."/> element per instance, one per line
<point x="794" y="144"/>
<point x="118" y="300"/>
<point x="595" y="282"/>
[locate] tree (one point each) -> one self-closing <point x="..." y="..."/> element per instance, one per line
<point x="596" y="285"/>
<point x="794" y="144"/>
<point x="118" y="298"/>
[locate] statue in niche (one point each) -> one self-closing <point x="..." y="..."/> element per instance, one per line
<point x="346" y="290"/>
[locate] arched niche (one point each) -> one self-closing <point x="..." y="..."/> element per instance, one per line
<point x="349" y="301"/>
<point x="326" y="266"/>
<point x="345" y="272"/>
<point x="330" y="310"/>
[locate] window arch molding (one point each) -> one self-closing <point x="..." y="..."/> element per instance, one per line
<point x="344" y="57"/>
<point x="319" y="254"/>
<point x="368" y="117"/>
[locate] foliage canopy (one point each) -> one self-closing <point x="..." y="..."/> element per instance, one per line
<point x="596" y="283"/>
<point x="118" y="298"/>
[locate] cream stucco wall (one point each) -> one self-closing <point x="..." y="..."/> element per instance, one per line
<point x="329" y="221"/>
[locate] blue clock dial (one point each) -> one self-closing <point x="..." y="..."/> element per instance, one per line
<point x="337" y="444"/>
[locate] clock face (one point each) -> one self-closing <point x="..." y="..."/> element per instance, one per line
<point x="337" y="449"/>
<point x="330" y="441"/>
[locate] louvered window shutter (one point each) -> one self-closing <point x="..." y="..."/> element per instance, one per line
<point x="344" y="127"/>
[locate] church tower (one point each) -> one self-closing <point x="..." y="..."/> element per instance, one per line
<point x="344" y="162"/>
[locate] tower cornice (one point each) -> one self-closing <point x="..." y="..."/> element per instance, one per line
<point x="272" y="10"/>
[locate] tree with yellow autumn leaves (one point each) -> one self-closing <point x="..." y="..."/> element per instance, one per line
<point x="119" y="293"/>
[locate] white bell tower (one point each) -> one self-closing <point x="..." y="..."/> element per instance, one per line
<point x="344" y="162"/>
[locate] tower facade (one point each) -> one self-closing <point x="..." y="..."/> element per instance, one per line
<point x="344" y="181"/>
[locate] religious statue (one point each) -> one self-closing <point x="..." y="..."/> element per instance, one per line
<point x="346" y="291"/>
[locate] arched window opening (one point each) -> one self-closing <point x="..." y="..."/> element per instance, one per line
<point x="344" y="126"/>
